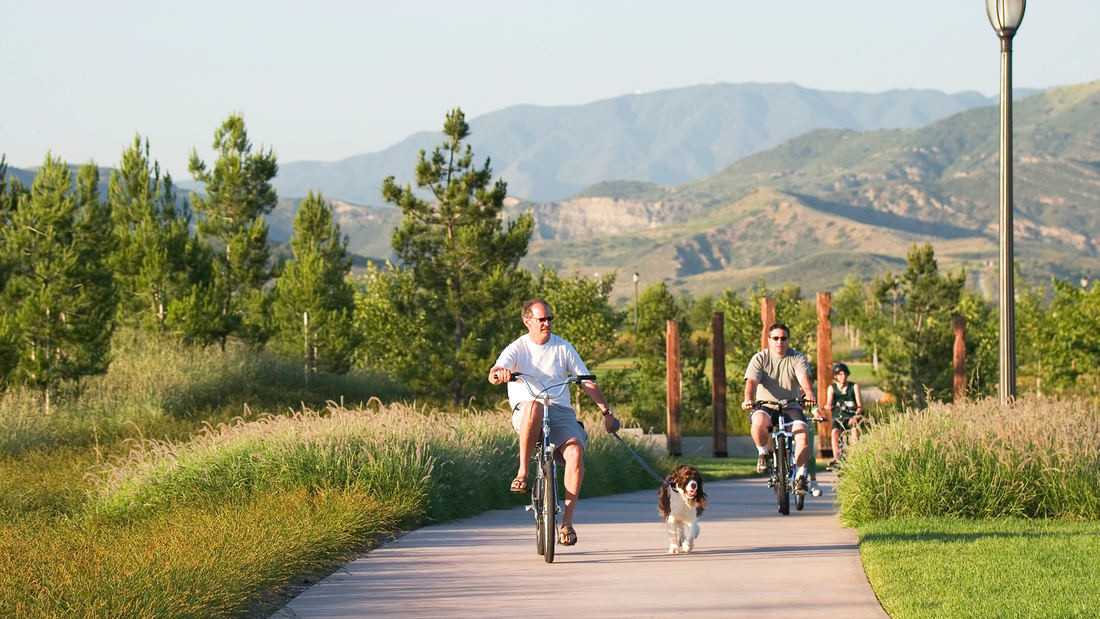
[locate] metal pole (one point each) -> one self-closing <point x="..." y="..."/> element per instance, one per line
<point x="1008" y="301"/>
<point x="635" y="304"/>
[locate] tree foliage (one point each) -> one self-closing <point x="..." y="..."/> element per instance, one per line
<point x="583" y="312"/>
<point x="153" y="254"/>
<point x="237" y="194"/>
<point x="917" y="345"/>
<point x="60" y="290"/>
<point x="463" y="261"/>
<point x="313" y="301"/>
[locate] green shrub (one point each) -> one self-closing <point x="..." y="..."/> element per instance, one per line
<point x="1038" y="458"/>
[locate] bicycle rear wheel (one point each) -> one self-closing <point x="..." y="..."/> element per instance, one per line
<point x="549" y="509"/>
<point x="782" y="478"/>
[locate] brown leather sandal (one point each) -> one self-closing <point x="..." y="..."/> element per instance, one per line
<point x="567" y="536"/>
<point x="519" y="485"/>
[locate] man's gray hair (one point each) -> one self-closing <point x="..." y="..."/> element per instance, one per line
<point x="528" y="304"/>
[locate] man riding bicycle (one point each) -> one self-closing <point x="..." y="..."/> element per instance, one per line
<point x="845" y="402"/>
<point x="776" y="374"/>
<point x="546" y="359"/>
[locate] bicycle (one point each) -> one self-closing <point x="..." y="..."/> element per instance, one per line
<point x="544" y="492"/>
<point x="846" y="427"/>
<point x="781" y="468"/>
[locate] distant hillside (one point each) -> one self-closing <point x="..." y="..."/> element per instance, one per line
<point x="667" y="137"/>
<point x="817" y="197"/>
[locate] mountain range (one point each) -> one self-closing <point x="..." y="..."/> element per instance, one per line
<point x="833" y="202"/>
<point x="809" y="209"/>
<point x="667" y="137"/>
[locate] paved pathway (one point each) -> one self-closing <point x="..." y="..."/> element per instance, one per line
<point x="748" y="561"/>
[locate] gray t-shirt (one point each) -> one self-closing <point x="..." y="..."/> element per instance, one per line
<point x="777" y="377"/>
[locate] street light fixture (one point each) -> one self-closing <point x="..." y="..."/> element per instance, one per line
<point x="1005" y="17"/>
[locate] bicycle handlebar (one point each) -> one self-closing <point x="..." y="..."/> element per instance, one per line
<point x="569" y="380"/>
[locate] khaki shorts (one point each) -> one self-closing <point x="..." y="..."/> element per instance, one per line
<point x="563" y="424"/>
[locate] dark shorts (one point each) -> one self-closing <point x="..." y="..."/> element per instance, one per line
<point x="790" y="414"/>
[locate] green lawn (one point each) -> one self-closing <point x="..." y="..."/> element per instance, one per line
<point x="942" y="567"/>
<point x="721" y="468"/>
<point x="862" y="373"/>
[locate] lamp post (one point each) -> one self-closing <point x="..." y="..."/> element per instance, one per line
<point x="1005" y="17"/>
<point x="635" y="304"/>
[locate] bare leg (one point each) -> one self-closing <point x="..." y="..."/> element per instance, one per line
<point x="530" y="428"/>
<point x="573" y="454"/>
<point x="836" y="444"/>
<point x="760" y="426"/>
<point x="801" y="445"/>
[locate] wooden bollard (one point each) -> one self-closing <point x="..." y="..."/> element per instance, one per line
<point x="767" y="319"/>
<point x="672" y="374"/>
<point x="824" y="365"/>
<point x="718" y="382"/>
<point x="958" y="359"/>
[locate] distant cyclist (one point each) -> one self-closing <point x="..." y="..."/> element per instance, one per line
<point x="845" y="403"/>
<point x="776" y="374"/>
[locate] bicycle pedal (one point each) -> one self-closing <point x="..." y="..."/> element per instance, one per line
<point x="529" y="508"/>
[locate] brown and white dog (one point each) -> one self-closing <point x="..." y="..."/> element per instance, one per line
<point x="681" y="501"/>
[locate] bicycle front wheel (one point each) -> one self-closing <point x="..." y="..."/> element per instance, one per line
<point x="782" y="478"/>
<point x="549" y="509"/>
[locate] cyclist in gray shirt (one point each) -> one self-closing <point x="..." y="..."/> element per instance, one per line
<point x="779" y="373"/>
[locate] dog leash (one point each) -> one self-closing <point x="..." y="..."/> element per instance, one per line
<point x="643" y="463"/>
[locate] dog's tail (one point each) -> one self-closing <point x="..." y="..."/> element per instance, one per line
<point x="664" y="506"/>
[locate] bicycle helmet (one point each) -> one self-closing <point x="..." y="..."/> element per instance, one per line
<point x="840" y="367"/>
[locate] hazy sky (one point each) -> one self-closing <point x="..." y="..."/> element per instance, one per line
<point x="327" y="80"/>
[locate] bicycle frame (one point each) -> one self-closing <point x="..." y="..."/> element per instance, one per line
<point x="544" y="504"/>
<point x="782" y="473"/>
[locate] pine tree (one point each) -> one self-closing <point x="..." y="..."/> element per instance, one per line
<point x="238" y="194"/>
<point x="11" y="191"/>
<point x="916" y="347"/>
<point x="60" y="288"/>
<point x="154" y="255"/>
<point x="314" y="284"/>
<point x="464" y="261"/>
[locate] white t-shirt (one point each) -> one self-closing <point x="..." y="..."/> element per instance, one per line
<point x="543" y="365"/>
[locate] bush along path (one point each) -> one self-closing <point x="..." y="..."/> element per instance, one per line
<point x="224" y="523"/>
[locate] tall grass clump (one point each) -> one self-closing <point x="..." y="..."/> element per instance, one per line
<point x="440" y="465"/>
<point x="1039" y="458"/>
<point x="159" y="387"/>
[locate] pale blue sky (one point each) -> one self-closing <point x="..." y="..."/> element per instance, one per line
<point x="327" y="80"/>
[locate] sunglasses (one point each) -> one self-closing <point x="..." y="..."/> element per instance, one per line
<point x="779" y="339"/>
<point x="542" y="319"/>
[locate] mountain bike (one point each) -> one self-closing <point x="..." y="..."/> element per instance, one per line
<point x="544" y="494"/>
<point x="781" y="468"/>
<point x="844" y="420"/>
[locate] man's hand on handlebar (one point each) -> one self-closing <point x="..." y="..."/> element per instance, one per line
<point x="746" y="405"/>
<point x="499" y="375"/>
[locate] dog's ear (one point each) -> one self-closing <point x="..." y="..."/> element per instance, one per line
<point x="663" y="506"/>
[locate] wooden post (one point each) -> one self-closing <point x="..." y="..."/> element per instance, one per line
<point x="958" y="359"/>
<point x="718" y="382"/>
<point x="672" y="363"/>
<point x="824" y="366"/>
<point x="767" y="319"/>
